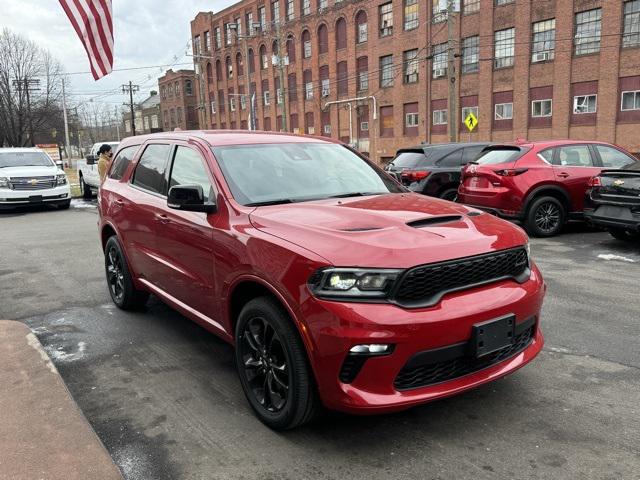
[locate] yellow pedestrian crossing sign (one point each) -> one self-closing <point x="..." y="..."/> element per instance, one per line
<point x="471" y="121"/>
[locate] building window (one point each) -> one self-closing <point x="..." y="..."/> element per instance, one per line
<point x="238" y="27"/>
<point x="630" y="101"/>
<point x="196" y="45"/>
<point x="232" y="103"/>
<point x="504" y="2"/>
<point x="544" y="39"/>
<point x="262" y="18"/>
<point x="229" y="68"/>
<point x="386" y="71"/>
<point x="631" y="31"/>
<point x="504" y="41"/>
<point x="146" y="123"/>
<point x="127" y="125"/>
<point x="361" y="27"/>
<point x="471" y="6"/>
<point x="248" y="20"/>
<point x="343" y="76"/>
<point x="308" y="84"/>
<point x="266" y="98"/>
<point x="504" y="111"/>
<point x="309" y="123"/>
<point x="439" y="62"/>
<point x="341" y="34"/>
<point x="218" y="40"/>
<point x="154" y="121"/>
<point x="324" y="80"/>
<point x="221" y="101"/>
<point x="188" y="87"/>
<point x="239" y="64"/>
<point x="364" y="126"/>
<point x="585" y="104"/>
<point x="363" y="73"/>
<point x="213" y="107"/>
<point x="410" y="14"/>
<point x="323" y="39"/>
<point x="588" y="29"/>
<point x="385" y="15"/>
<point x="411" y="120"/>
<point x="322" y="5"/>
<point x="439" y="117"/>
<point x="275" y="11"/>
<point x="243" y="100"/>
<point x="471" y="54"/>
<point x="227" y="34"/>
<point x="293" y="91"/>
<point x="207" y="41"/>
<point x="264" y="60"/>
<point x="386" y="121"/>
<point x="542" y="108"/>
<point x="306" y="7"/>
<point x="290" y="10"/>
<point x="467" y="110"/>
<point x="279" y="96"/>
<point x="177" y="89"/>
<point x="410" y="58"/>
<point x="326" y="129"/>
<point x="439" y="9"/>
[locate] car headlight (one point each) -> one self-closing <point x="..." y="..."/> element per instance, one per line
<point x="357" y="283"/>
<point x="4" y="182"/>
<point x="61" y="179"/>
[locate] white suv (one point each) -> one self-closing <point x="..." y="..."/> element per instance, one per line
<point x="29" y="176"/>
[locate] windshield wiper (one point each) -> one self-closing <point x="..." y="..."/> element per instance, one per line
<point x="356" y="194"/>
<point x="270" y="202"/>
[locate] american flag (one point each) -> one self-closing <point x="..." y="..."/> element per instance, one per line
<point x="93" y="22"/>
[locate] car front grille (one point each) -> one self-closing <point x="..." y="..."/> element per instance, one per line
<point x="33" y="183"/>
<point x="411" y="377"/>
<point x="424" y="285"/>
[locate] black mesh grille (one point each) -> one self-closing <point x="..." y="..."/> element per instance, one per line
<point x="416" y="377"/>
<point x="425" y="284"/>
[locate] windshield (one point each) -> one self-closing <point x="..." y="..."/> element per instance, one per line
<point x="296" y="172"/>
<point x="25" y="159"/>
<point x="494" y="156"/>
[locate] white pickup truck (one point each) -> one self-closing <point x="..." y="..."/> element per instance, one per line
<point x="88" y="170"/>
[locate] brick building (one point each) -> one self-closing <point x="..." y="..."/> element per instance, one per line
<point x="146" y="114"/>
<point x="178" y="101"/>
<point x="527" y="69"/>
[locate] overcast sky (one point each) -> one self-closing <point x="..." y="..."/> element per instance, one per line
<point x="146" y="32"/>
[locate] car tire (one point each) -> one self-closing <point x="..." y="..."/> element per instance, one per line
<point x="624" y="235"/>
<point x="119" y="279"/>
<point x="85" y="190"/>
<point x="451" y="194"/>
<point x="545" y="217"/>
<point x="267" y="346"/>
<point x="64" y="205"/>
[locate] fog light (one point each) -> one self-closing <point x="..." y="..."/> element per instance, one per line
<point x="371" y="348"/>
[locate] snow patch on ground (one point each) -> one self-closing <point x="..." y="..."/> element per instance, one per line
<point x="60" y="355"/>
<point x="611" y="256"/>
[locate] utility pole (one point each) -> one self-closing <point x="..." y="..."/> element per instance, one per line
<point x="29" y="85"/>
<point x="451" y="74"/>
<point x="130" y="89"/>
<point x="283" y="103"/>
<point x="67" y="144"/>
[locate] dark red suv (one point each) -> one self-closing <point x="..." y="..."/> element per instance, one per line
<point x="542" y="184"/>
<point x="336" y="285"/>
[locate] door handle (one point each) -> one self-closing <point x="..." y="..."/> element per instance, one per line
<point x="162" y="218"/>
<point x="563" y="174"/>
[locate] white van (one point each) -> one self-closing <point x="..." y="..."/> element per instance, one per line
<point x="30" y="176"/>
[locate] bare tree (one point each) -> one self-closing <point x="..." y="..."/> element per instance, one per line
<point x="30" y="90"/>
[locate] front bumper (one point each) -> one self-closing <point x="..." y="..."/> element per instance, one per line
<point x="335" y="327"/>
<point x="16" y="198"/>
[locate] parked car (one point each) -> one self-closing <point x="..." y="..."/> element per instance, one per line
<point x="613" y="202"/>
<point x="29" y="176"/>
<point x="434" y="170"/>
<point x="336" y="285"/>
<point x="88" y="176"/>
<point x="542" y="184"/>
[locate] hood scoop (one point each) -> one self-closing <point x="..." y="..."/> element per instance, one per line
<point x="360" y="229"/>
<point x="431" y="221"/>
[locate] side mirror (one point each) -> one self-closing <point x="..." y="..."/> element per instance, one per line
<point x="189" y="198"/>
<point x="91" y="159"/>
<point x="60" y="165"/>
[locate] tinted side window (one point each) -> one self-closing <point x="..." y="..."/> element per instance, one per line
<point x="150" y="171"/>
<point x="122" y="161"/>
<point x="189" y="169"/>
<point x="454" y="159"/>
<point x="612" y="157"/>
<point x="470" y="154"/>
<point x="409" y="160"/>
<point x="547" y="155"/>
<point x="575" y="156"/>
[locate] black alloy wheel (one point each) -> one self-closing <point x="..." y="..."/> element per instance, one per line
<point x="273" y="367"/>
<point x="119" y="279"/>
<point x="545" y="217"/>
<point x="85" y="190"/>
<point x="265" y="364"/>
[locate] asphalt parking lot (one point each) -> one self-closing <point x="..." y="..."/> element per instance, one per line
<point x="163" y="396"/>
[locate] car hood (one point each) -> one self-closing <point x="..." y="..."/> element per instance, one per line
<point x="13" y="172"/>
<point x="387" y="231"/>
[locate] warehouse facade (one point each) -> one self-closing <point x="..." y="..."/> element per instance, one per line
<point x="375" y="74"/>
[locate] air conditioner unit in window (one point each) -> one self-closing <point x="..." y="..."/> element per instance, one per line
<point x="311" y="130"/>
<point x="322" y="10"/>
<point x="540" y="57"/>
<point x="327" y="129"/>
<point x="325" y="91"/>
<point x="440" y="72"/>
<point x="274" y="60"/>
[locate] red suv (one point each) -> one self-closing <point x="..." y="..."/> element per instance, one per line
<point x="542" y="184"/>
<point x="336" y="285"/>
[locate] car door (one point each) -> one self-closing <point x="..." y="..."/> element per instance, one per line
<point x="142" y="209"/>
<point x="185" y="238"/>
<point x="573" y="166"/>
